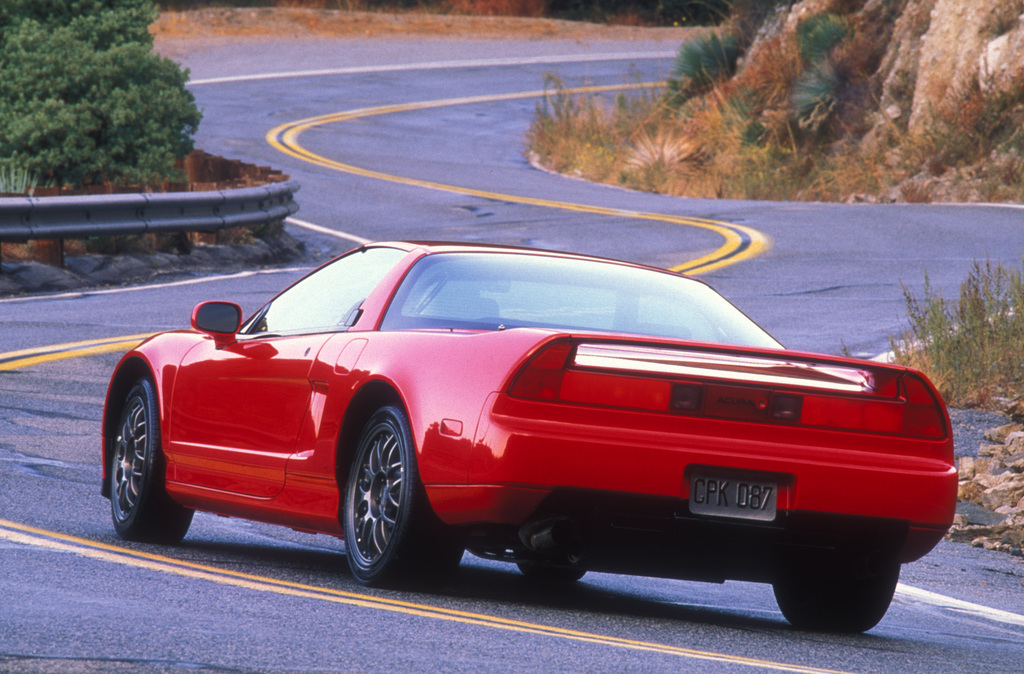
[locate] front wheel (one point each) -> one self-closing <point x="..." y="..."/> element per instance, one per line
<point x="140" y="507"/>
<point x="391" y="533"/>
<point x="836" y="604"/>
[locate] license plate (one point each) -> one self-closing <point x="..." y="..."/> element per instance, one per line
<point x="724" y="494"/>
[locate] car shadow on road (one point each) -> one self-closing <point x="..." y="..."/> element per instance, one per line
<point x="497" y="589"/>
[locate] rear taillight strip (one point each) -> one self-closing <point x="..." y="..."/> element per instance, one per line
<point x="720" y="386"/>
<point x="748" y="370"/>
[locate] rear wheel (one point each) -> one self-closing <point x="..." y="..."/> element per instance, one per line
<point x="836" y="604"/>
<point x="391" y="533"/>
<point x="139" y="505"/>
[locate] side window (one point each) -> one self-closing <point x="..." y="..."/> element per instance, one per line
<point x="329" y="298"/>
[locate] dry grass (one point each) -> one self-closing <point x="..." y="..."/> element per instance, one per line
<point x="525" y="8"/>
<point x="177" y="242"/>
<point x="578" y="135"/>
<point x="179" y="31"/>
<point x="916" y="192"/>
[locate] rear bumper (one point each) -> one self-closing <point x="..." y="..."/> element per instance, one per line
<point x="543" y="446"/>
<point x="527" y="456"/>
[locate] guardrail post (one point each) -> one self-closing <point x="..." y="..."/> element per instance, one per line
<point x="49" y="251"/>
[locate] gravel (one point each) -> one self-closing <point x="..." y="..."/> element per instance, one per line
<point x="969" y="428"/>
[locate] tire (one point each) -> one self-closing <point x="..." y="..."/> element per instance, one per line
<point x="139" y="505"/>
<point x="550" y="574"/>
<point x="830" y="604"/>
<point x="391" y="534"/>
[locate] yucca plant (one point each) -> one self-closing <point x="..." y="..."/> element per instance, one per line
<point x="702" y="61"/>
<point x="17" y="180"/>
<point x="819" y="35"/>
<point x="814" y="95"/>
<point x="665" y="148"/>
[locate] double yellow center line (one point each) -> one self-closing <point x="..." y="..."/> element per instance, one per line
<point x="741" y="243"/>
<point x="12" y="360"/>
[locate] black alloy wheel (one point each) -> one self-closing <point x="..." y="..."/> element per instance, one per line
<point x="139" y="506"/>
<point x="391" y="533"/>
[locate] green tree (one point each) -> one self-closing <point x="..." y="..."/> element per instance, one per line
<point x="84" y="99"/>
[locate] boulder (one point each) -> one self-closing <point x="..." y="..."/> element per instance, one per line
<point x="1008" y="493"/>
<point x="975" y="514"/>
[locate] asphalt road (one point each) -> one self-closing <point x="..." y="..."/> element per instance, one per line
<point x="240" y="596"/>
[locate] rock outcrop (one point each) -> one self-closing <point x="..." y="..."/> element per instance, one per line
<point x="936" y="50"/>
<point x="966" y="44"/>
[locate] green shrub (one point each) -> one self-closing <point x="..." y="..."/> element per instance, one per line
<point x="816" y="90"/>
<point x="83" y="98"/>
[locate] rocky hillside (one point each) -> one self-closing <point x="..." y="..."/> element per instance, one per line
<point x="935" y="49"/>
<point x="925" y="68"/>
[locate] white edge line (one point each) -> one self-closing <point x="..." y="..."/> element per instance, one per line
<point x="329" y="232"/>
<point x="437" y="65"/>
<point x="942" y="601"/>
<point x="171" y="284"/>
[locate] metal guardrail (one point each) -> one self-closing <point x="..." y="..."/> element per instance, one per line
<point x="24" y="218"/>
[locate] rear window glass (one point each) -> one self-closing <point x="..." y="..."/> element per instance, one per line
<point x="489" y="291"/>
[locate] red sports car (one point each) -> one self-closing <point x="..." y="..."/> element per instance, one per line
<point x="561" y="412"/>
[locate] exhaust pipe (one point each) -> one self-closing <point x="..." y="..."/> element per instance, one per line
<point x="555" y="534"/>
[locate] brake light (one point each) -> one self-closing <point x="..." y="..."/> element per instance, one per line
<point x="542" y="377"/>
<point x="923" y="416"/>
<point x="853" y="414"/>
<point x="609" y="390"/>
<point x="915" y="412"/>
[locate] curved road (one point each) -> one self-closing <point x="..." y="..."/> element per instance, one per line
<point x="240" y="596"/>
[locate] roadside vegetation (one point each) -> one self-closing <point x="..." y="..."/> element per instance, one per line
<point x="970" y="347"/>
<point x="796" y="120"/>
<point x="85" y="103"/>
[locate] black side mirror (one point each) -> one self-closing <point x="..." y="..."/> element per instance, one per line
<point x="220" y="319"/>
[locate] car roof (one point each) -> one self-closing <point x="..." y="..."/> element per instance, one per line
<point x="433" y="247"/>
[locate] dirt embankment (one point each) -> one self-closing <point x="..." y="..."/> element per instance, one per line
<point x="176" y="31"/>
